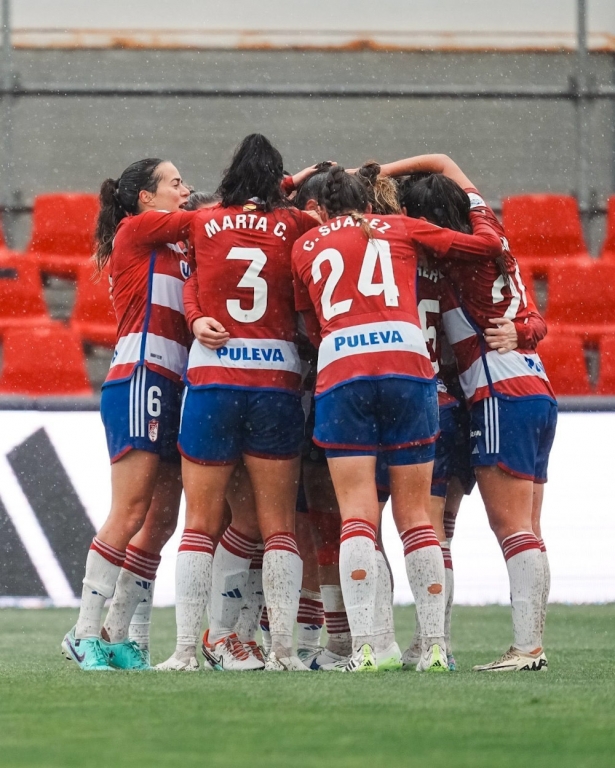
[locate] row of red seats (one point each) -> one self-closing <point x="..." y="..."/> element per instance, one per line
<point x="22" y="301"/>
<point x="564" y="358"/>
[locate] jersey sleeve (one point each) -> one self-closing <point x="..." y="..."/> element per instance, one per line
<point x="442" y="242"/>
<point x="192" y="308"/>
<point x="530" y="330"/>
<point x="156" y="228"/>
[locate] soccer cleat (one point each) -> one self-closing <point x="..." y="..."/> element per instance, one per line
<point x="452" y="664"/>
<point x="515" y="660"/>
<point x="363" y="660"/>
<point x="230" y="654"/>
<point x="254" y="649"/>
<point x="432" y="660"/>
<point x="180" y="661"/>
<point x="411" y="656"/>
<point x="87" y="652"/>
<point x="276" y="663"/>
<point x="390" y="659"/>
<point x="126" y="655"/>
<point x="308" y="656"/>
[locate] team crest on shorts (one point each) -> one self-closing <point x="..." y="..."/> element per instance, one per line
<point x="152" y="430"/>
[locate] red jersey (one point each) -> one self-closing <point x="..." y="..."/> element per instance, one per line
<point x="429" y="293"/>
<point x="244" y="280"/>
<point x="148" y="267"/>
<point x="364" y="293"/>
<point x="475" y="292"/>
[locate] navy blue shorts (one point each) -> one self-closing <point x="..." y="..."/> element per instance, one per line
<point x="515" y="435"/>
<point x="219" y="424"/>
<point x="142" y="414"/>
<point x="461" y="462"/>
<point x="397" y="417"/>
<point x="310" y="452"/>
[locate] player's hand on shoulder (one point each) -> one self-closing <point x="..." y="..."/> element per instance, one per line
<point x="210" y="333"/>
<point x="503" y="336"/>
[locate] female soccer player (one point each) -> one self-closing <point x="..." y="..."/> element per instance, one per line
<point x="243" y="399"/>
<point x="376" y="393"/>
<point x="513" y="409"/>
<point x="139" y="226"/>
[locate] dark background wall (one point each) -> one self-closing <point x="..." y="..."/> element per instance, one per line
<point x="505" y="146"/>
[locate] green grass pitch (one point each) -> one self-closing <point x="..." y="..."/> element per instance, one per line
<point x="53" y="715"/>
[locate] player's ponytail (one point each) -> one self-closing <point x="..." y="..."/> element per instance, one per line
<point x="256" y="171"/>
<point x="382" y="190"/>
<point x="343" y="193"/>
<point x="120" y="198"/>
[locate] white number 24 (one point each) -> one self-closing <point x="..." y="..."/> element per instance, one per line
<point x="377" y="251"/>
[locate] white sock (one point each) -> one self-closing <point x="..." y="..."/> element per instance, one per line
<point x="265" y="630"/>
<point x="546" y="588"/>
<point x="449" y="592"/>
<point x="282" y="574"/>
<point x="384" y="628"/>
<point x="132" y="588"/>
<point x="230" y="573"/>
<point x="359" y="577"/>
<point x="336" y="619"/>
<point x="102" y="568"/>
<point x="310" y="618"/>
<point x="524" y="562"/>
<point x="192" y="586"/>
<point x="425" y="569"/>
<point x="141" y="620"/>
<point x="252" y="607"/>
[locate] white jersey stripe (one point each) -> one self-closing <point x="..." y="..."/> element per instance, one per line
<point x="387" y="336"/>
<point x="158" y="351"/>
<point x="167" y="291"/>
<point x="510" y="365"/>
<point x="263" y="354"/>
<point x="457" y="326"/>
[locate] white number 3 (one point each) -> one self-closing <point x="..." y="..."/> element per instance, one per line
<point x="251" y="280"/>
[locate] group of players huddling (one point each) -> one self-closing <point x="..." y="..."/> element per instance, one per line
<point x="306" y="346"/>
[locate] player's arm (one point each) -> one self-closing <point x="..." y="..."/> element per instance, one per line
<point x="208" y="331"/>
<point x="483" y="243"/>
<point x="290" y="183"/>
<point x="157" y="228"/>
<point x="427" y="164"/>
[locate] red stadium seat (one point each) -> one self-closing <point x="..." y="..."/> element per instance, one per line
<point x="44" y="361"/>
<point x="93" y="317"/>
<point x="63" y="232"/>
<point x="606" y="378"/>
<point x="564" y="361"/>
<point x="543" y="230"/>
<point x="582" y="298"/>
<point x="608" y="247"/>
<point x="22" y="302"/>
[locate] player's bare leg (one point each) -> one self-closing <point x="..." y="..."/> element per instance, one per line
<point x="510" y="502"/>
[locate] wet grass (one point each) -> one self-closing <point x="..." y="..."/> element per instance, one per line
<point x="53" y="715"/>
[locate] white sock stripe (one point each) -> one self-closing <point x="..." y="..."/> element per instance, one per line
<point x="134" y="557"/>
<point x="282" y="541"/>
<point x="233" y="540"/>
<point x="108" y="548"/>
<point x="517" y="540"/>
<point x="409" y="538"/>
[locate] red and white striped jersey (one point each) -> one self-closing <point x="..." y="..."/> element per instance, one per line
<point x="364" y="293"/>
<point x="148" y="267"/>
<point x="244" y="281"/>
<point x="428" y="293"/>
<point x="475" y="292"/>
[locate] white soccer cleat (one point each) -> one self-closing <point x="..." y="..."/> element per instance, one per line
<point x="254" y="649"/>
<point x="275" y="663"/>
<point x="230" y="654"/>
<point x="180" y="661"/>
<point x="390" y="659"/>
<point x="433" y="660"/>
<point x="411" y="657"/>
<point x="515" y="660"/>
<point x="329" y="661"/>
<point x="364" y="660"/>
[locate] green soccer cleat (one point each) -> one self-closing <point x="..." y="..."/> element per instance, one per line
<point x="433" y="660"/>
<point x="126" y="655"/>
<point x="390" y="659"/>
<point x="363" y="660"/>
<point x="87" y="652"/>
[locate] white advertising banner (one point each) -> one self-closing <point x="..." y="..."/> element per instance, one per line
<point x="55" y="492"/>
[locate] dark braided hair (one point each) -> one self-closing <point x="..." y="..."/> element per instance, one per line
<point x="343" y="193"/>
<point x="120" y="198"/>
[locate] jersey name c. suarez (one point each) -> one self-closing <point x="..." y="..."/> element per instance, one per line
<point x="429" y="294"/>
<point x="243" y="279"/>
<point x="475" y="292"/>
<point x="364" y="294"/>
<point x="148" y="266"/>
